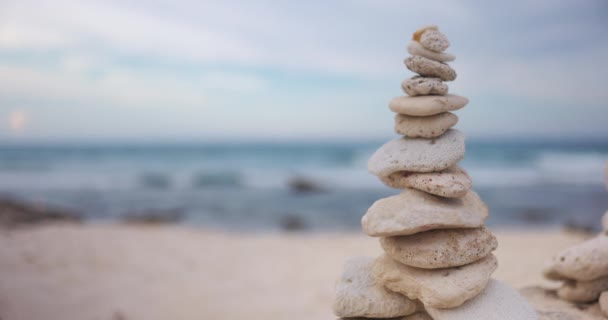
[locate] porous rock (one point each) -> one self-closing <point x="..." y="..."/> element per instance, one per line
<point x="359" y="295"/>
<point x="415" y="48"/>
<point x="584" y="262"/>
<point x="430" y="68"/>
<point x="421" y="86"/>
<point x="440" y="248"/>
<point x="424" y="127"/>
<point x="417" y="154"/>
<point x="438" y="288"/>
<point x="453" y="182"/>
<point x="414" y="211"/>
<point x="434" y="40"/>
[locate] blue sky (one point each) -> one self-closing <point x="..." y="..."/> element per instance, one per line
<point x="260" y="70"/>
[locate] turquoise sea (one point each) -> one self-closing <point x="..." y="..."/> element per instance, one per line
<point x="249" y="186"/>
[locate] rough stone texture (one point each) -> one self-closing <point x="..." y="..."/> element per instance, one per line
<point x="549" y="307"/>
<point x="417" y="35"/>
<point x="438" y="288"/>
<point x="424" y="127"/>
<point x="422" y="106"/>
<point x="586" y="261"/>
<point x="415" y="48"/>
<point x="583" y="291"/>
<point x="434" y="40"/>
<point x="441" y="248"/>
<point x="604" y="303"/>
<point x="417" y="154"/>
<point x="497" y="302"/>
<point x="414" y="211"/>
<point x="430" y="68"/>
<point x="453" y="182"/>
<point x="421" y="86"/>
<point x="359" y="295"/>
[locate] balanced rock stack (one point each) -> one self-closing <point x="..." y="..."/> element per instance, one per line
<point x="438" y="254"/>
<point x="584" y="269"/>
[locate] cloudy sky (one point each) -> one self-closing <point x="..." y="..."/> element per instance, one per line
<point x="260" y="70"/>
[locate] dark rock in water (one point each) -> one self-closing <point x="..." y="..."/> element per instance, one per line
<point x="535" y="215"/>
<point x="219" y="179"/>
<point x="15" y="213"/>
<point x="304" y="185"/>
<point x="155" y="181"/>
<point x="573" y="226"/>
<point x="292" y="222"/>
<point x="154" y="216"/>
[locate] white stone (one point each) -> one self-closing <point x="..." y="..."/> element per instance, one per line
<point x="453" y="182"/>
<point x="415" y="48"/>
<point x="414" y="211"/>
<point x="583" y="291"/>
<point x="430" y="68"/>
<point x="359" y="295"/>
<point x="424" y="127"/>
<point x="422" y="106"/>
<point x="605" y="221"/>
<point x="421" y="86"/>
<point x="434" y="40"/>
<point x="497" y="302"/>
<point x="440" y="248"/>
<point x="438" y="288"/>
<point x="417" y="154"/>
<point x="584" y="262"/>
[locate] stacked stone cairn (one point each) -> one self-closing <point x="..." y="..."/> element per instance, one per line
<point x="438" y="254"/>
<point x="584" y="269"/>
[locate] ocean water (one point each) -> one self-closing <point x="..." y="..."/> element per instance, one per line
<point x="247" y="186"/>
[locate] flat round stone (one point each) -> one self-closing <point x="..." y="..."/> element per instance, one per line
<point x="416" y="49"/>
<point x="359" y="295"/>
<point x="441" y="248"/>
<point x="421" y="86"/>
<point x="414" y="211"/>
<point x="430" y="68"/>
<point x="583" y="262"/>
<point x="417" y="154"/>
<point x="453" y="182"/>
<point x="424" y="127"/>
<point x="438" y="288"/>
<point x="422" y="106"/>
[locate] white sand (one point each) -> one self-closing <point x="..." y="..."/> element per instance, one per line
<point x="136" y="272"/>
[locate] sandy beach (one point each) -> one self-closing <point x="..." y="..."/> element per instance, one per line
<point x="119" y="272"/>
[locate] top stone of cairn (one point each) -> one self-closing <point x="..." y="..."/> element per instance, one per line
<point x="431" y="39"/>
